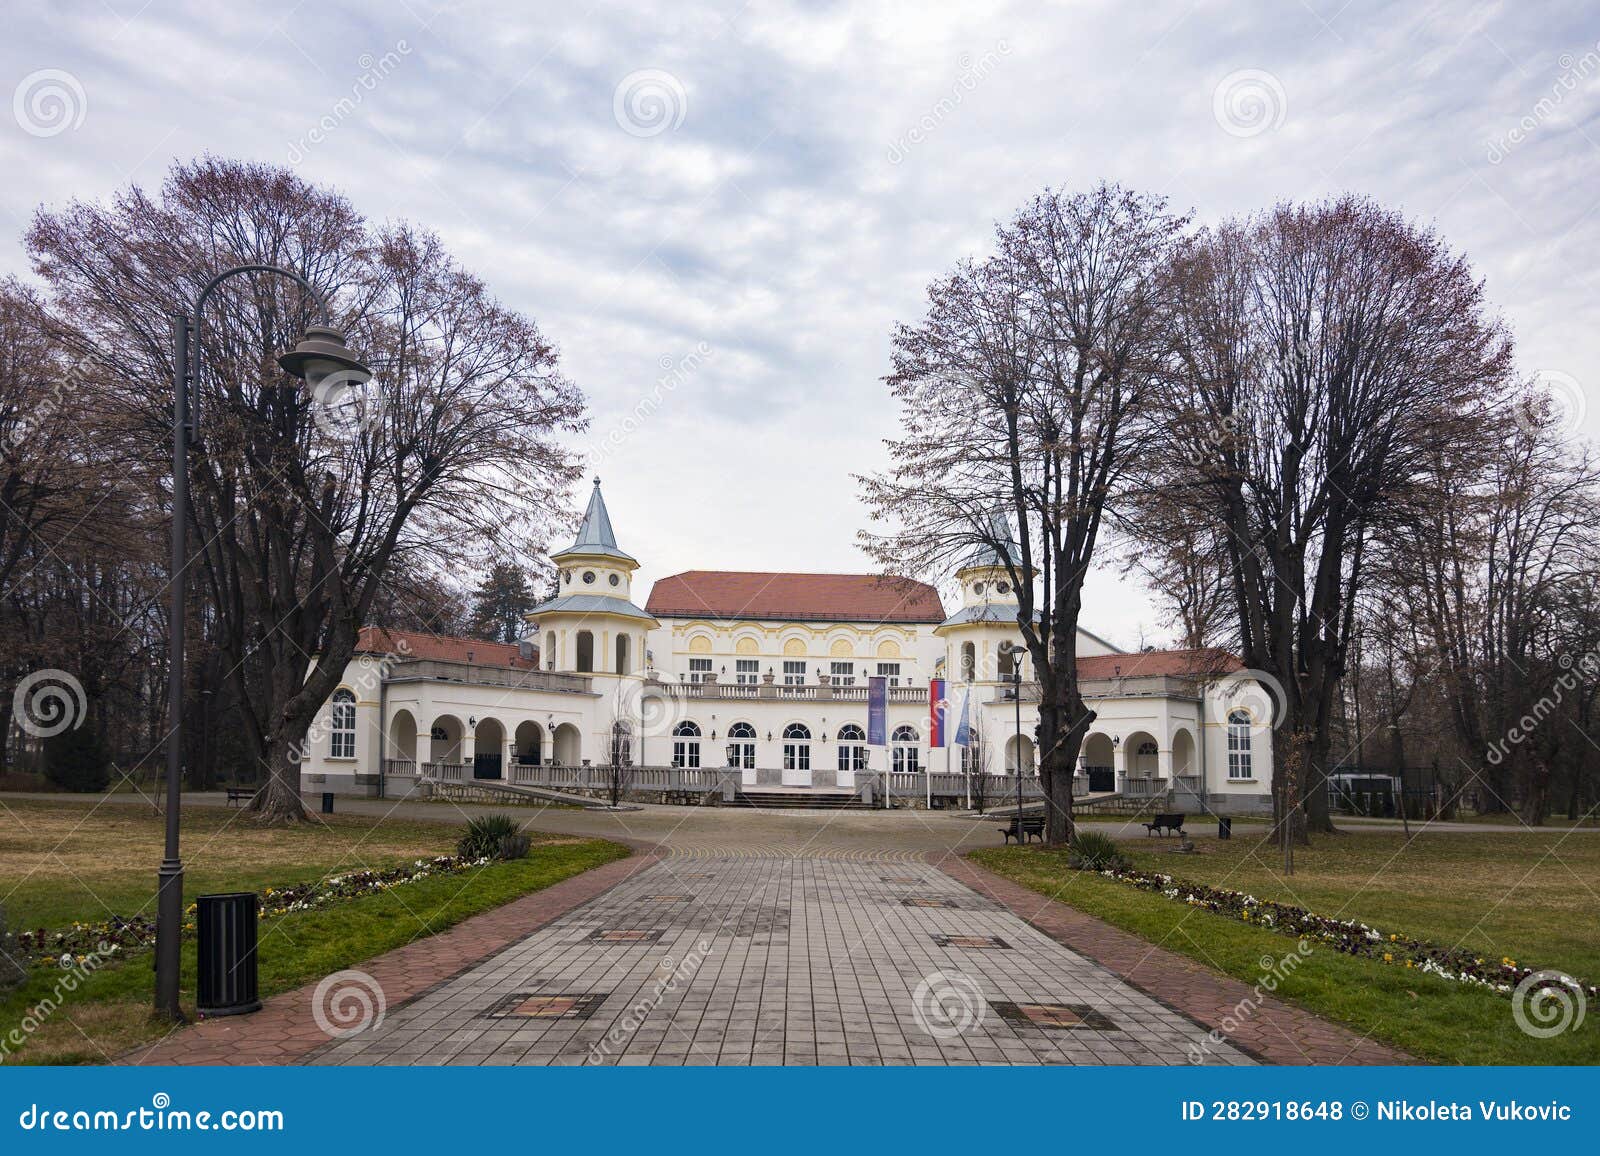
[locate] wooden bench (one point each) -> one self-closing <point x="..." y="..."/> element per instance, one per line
<point x="240" y="795"/>
<point x="1032" y="826"/>
<point x="1171" y="824"/>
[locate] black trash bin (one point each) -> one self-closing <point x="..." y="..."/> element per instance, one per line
<point x="226" y="956"/>
<point x="1224" y="827"/>
<point x="327" y="802"/>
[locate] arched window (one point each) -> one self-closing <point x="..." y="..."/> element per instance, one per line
<point x="969" y="661"/>
<point x="852" y="748"/>
<point x="742" y="746"/>
<point x="550" y="650"/>
<point x="585" y="652"/>
<point x="686" y="744"/>
<point x="622" y="654"/>
<point x="907" y="748"/>
<point x="796" y="748"/>
<point x="1004" y="661"/>
<point x="342" y="726"/>
<point x="1239" y="745"/>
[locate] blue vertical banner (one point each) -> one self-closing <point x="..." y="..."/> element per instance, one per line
<point x="877" y="711"/>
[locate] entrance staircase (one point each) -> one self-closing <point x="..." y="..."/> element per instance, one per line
<point x="798" y="798"/>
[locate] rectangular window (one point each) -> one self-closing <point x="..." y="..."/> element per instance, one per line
<point x="698" y="669"/>
<point x="794" y="673"/>
<point x="891" y="671"/>
<point x="746" y="671"/>
<point x="1239" y="751"/>
<point x="844" y="673"/>
<point x="343" y="745"/>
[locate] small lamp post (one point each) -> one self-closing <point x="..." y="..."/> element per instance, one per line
<point x="1014" y="652"/>
<point x="320" y="355"/>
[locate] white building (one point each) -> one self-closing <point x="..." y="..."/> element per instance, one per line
<point x="754" y="682"/>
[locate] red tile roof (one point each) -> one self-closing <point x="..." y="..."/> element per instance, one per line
<point x="811" y="597"/>
<point x="1149" y="663"/>
<point x="443" y="648"/>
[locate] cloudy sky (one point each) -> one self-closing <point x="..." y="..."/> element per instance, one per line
<point x="719" y="209"/>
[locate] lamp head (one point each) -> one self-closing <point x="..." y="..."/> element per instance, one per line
<point x="321" y="354"/>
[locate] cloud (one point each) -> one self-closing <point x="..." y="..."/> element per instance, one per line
<point x="773" y="220"/>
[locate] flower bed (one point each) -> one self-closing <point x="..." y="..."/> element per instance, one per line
<point x="1349" y="936"/>
<point x="55" y="947"/>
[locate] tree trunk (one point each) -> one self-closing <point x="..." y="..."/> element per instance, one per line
<point x="1058" y="757"/>
<point x="277" y="801"/>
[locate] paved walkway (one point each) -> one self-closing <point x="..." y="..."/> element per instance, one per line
<point x="785" y="961"/>
<point x="287" y="1028"/>
<point x="776" y="937"/>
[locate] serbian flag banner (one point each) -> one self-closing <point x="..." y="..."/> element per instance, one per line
<point x="937" y="706"/>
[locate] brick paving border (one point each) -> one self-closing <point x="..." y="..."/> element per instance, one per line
<point x="284" y="1031"/>
<point x="1274" y="1032"/>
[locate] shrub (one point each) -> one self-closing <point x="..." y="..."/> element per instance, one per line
<point x="515" y="846"/>
<point x="1092" y="851"/>
<point x="74" y="760"/>
<point x="484" y="834"/>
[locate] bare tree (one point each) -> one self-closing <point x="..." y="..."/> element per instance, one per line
<point x="301" y="504"/>
<point x="1021" y="392"/>
<point x="1324" y="355"/>
<point x="1504" y="570"/>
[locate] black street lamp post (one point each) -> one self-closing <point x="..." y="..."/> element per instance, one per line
<point x="1015" y="653"/>
<point x="320" y="354"/>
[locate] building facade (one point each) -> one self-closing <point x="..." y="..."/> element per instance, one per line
<point x="762" y="679"/>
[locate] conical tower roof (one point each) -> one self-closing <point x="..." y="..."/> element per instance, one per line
<point x="595" y="535"/>
<point x="987" y="555"/>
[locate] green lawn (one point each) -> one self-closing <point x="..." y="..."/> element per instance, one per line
<point x="1532" y="897"/>
<point x="59" y="863"/>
